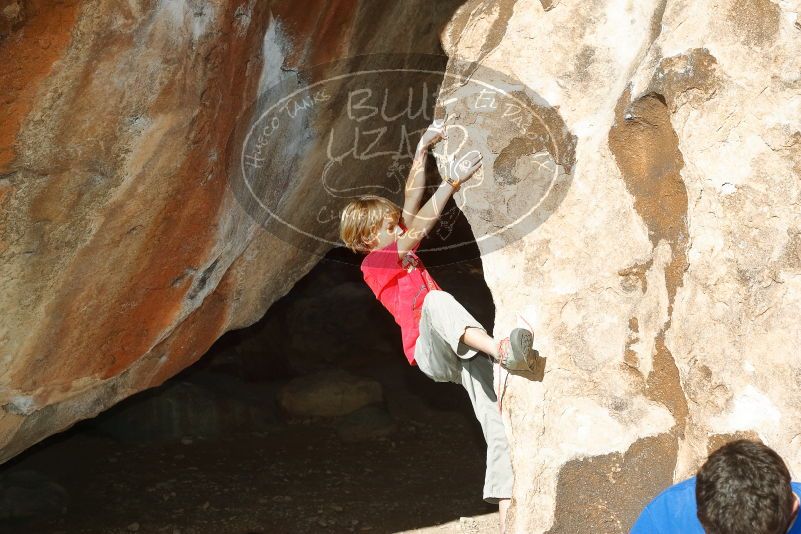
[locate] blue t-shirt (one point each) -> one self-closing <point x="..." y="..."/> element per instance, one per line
<point x="674" y="512"/>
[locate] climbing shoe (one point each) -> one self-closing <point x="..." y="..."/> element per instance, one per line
<point x="515" y="352"/>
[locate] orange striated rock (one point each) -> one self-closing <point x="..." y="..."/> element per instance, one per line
<point x="123" y="254"/>
<point x="112" y="200"/>
<point x="33" y="36"/>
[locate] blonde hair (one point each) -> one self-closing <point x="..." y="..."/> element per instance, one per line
<point x="361" y="219"/>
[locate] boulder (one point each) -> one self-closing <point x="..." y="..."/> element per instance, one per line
<point x="366" y="423"/>
<point x="124" y="250"/>
<point x="660" y="269"/>
<point x="328" y="394"/>
<point x="27" y="494"/>
<point x="182" y="409"/>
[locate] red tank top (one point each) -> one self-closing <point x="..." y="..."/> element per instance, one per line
<point x="401" y="291"/>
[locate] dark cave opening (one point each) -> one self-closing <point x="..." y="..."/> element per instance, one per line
<point x="214" y="449"/>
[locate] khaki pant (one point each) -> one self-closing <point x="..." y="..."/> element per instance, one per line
<point x="443" y="358"/>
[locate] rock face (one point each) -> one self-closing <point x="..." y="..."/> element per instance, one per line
<point x="123" y="252"/>
<point x="328" y="394"/>
<point x="661" y="269"/>
<point x="366" y="423"/>
<point x="666" y="286"/>
<point x="184" y="409"/>
<point x="26" y="493"/>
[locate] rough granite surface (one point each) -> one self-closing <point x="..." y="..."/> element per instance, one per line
<point x="665" y="288"/>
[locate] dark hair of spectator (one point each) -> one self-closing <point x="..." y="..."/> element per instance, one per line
<point x="744" y="488"/>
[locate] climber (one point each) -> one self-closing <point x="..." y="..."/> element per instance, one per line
<point x="439" y="335"/>
<point x="743" y="487"/>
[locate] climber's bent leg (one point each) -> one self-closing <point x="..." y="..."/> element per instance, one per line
<point x="478" y="338"/>
<point x="443" y="322"/>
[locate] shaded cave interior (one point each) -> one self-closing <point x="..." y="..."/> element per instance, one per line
<point x="173" y="455"/>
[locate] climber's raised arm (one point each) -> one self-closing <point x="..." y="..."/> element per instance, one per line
<point x="416" y="182"/>
<point x="415" y="185"/>
<point x="429" y="214"/>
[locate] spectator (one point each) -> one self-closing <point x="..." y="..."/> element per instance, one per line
<point x="743" y="487"/>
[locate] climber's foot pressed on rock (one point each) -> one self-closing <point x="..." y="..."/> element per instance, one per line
<point x="516" y="353"/>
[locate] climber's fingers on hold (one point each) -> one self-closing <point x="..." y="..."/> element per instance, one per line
<point x="468" y="171"/>
<point x="467" y="165"/>
<point x="471" y="163"/>
<point x="473" y="169"/>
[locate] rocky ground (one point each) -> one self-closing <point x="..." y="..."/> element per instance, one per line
<point x="293" y="475"/>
